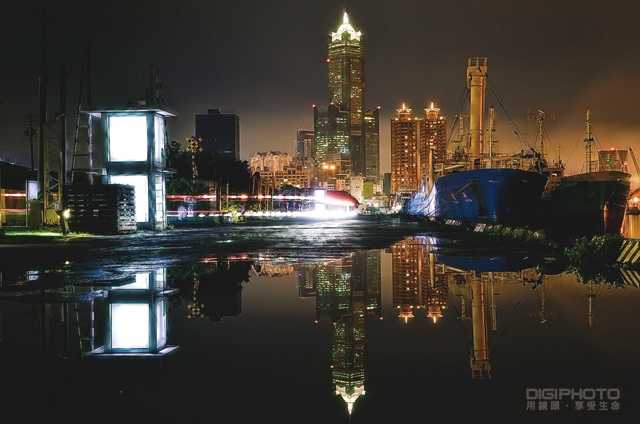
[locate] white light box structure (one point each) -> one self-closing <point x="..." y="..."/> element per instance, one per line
<point x="135" y="142"/>
<point x="137" y="318"/>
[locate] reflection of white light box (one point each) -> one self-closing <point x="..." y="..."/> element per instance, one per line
<point x="129" y="326"/>
<point x="137" y="318"/>
<point x="134" y="152"/>
<point x="151" y="281"/>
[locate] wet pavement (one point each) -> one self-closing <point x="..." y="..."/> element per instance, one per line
<point x="359" y="321"/>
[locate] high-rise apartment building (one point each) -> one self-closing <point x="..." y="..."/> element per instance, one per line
<point x="404" y="151"/>
<point x="220" y="133"/>
<point x="433" y="134"/>
<point x="416" y="142"/>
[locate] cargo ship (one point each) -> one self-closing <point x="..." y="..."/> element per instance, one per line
<point x="482" y="188"/>
<point x="591" y="203"/>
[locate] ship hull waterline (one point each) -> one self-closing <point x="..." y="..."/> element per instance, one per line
<point x="586" y="205"/>
<point x="492" y="195"/>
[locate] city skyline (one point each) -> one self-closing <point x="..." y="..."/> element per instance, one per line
<point x="531" y="69"/>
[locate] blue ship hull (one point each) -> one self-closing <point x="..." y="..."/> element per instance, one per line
<point x="493" y="195"/>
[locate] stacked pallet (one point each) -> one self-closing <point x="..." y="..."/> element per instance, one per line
<point x="101" y="209"/>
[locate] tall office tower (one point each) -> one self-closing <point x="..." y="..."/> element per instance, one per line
<point x="372" y="144"/>
<point x="346" y="85"/>
<point x="220" y="133"/>
<point x="304" y="146"/>
<point x="404" y="151"/>
<point x="331" y="146"/>
<point x="433" y="133"/>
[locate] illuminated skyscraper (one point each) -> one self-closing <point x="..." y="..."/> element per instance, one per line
<point x="346" y="84"/>
<point x="404" y="151"/>
<point x="345" y="62"/>
<point x="331" y="147"/>
<point x="433" y="133"/>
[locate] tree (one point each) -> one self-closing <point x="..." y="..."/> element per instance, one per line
<point x="212" y="170"/>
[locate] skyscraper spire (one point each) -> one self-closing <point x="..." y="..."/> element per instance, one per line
<point x="346" y="28"/>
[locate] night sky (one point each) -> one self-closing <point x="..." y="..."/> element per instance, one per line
<point x="265" y="60"/>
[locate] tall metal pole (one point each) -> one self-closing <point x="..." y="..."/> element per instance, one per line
<point x="42" y="91"/>
<point x="31" y="132"/>
<point x="588" y="141"/>
<point x="492" y="117"/>
<point x="541" y="132"/>
<point x="62" y="174"/>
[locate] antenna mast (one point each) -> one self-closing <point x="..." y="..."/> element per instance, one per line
<point x="540" y="119"/>
<point x="492" y="130"/>
<point x="588" y="141"/>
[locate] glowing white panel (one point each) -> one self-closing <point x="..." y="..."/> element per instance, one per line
<point x="140" y="185"/>
<point x="159" y="139"/>
<point x="161" y="278"/>
<point x="127" y="138"/>
<point x="142" y="283"/>
<point x="161" y="324"/>
<point x="130" y="326"/>
<point x="32" y="190"/>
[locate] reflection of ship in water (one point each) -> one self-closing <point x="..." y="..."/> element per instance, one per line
<point x="347" y="292"/>
<point x="422" y="280"/>
<point x="212" y="288"/>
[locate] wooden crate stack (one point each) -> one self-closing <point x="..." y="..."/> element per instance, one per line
<point x="101" y="208"/>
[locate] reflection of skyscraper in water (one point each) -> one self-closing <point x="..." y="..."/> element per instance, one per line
<point x="418" y="282"/>
<point x="367" y="276"/>
<point x="306" y="283"/>
<point x="406" y="267"/>
<point x="435" y="290"/>
<point x="348" y="291"/>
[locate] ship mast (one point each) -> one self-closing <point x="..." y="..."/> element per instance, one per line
<point x="588" y="141"/>
<point x="492" y="130"/>
<point x="476" y="80"/>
